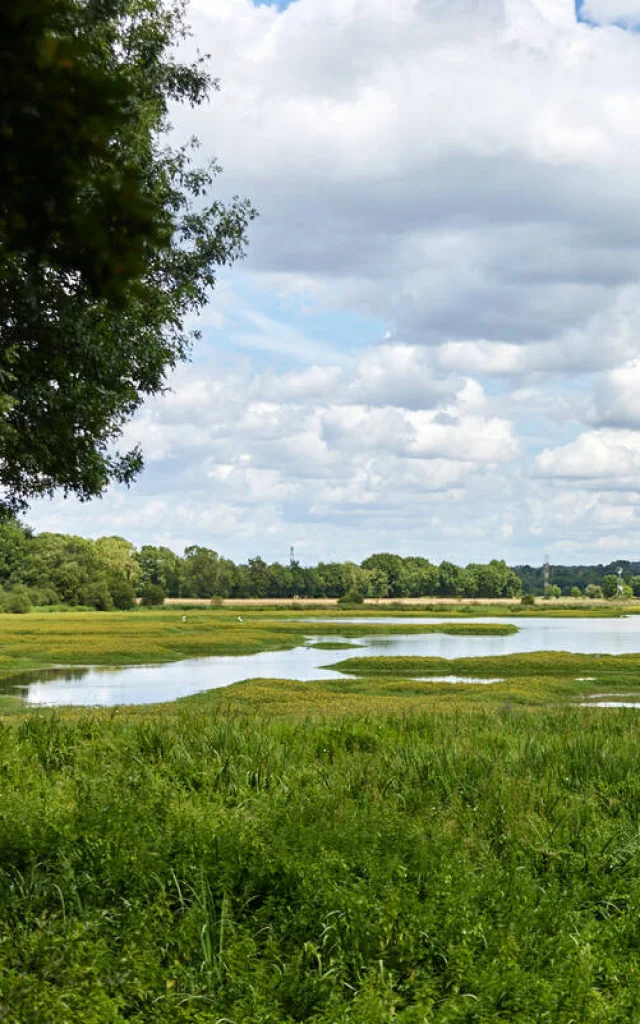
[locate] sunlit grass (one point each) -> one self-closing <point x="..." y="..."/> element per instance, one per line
<point x="376" y="848"/>
<point x="190" y="863"/>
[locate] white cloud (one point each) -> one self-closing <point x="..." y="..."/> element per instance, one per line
<point x="465" y="174"/>
<point x="608" y="455"/>
<point x="612" y="12"/>
<point x="618" y="396"/>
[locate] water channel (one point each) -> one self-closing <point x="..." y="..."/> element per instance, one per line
<point x="150" y="684"/>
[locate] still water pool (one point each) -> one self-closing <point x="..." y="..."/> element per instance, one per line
<point x="150" y="684"/>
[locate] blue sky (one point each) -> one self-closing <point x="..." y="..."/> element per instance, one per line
<point x="433" y="344"/>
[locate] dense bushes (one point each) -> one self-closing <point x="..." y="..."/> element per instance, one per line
<point x="151" y="595"/>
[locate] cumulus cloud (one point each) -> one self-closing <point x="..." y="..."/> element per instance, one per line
<point x="463" y="170"/>
<point x="605" y="455"/>
<point x="464" y="174"/>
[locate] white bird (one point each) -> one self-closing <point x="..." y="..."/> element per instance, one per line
<point x="239" y="618"/>
<point x="184" y="618"/>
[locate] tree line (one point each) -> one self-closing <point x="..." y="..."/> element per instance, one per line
<point x="577" y="580"/>
<point x="55" y="568"/>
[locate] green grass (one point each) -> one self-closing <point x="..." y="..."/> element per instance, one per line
<point x="190" y="865"/>
<point x="361" y="851"/>
<point x="121" y="638"/>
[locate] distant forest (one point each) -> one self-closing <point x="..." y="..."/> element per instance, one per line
<point x="53" y="568"/>
<point x="569" y="577"/>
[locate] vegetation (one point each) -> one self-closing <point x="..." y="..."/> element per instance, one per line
<point x="190" y="865"/>
<point x="102" y="573"/>
<point x="109" y="240"/>
<point x="44" y="640"/>
<point x="576" y="580"/>
<point x="368" y="849"/>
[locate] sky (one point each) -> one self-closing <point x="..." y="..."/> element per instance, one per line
<point x="433" y="345"/>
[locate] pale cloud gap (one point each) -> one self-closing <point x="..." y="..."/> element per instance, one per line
<point x="464" y="173"/>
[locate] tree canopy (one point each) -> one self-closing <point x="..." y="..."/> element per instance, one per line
<point x="109" y="237"/>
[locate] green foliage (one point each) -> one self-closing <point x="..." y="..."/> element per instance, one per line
<point x="43" y="596"/>
<point x="528" y="600"/>
<point x="610" y="585"/>
<point x="122" y="593"/>
<point x="108" y="238"/>
<point x="18" y="601"/>
<point x="352" y="597"/>
<point x="97" y="595"/>
<point x="151" y="595"/>
<point x="569" y="576"/>
<point x="69" y="564"/>
<point x="593" y="591"/>
<point x="576" y="592"/>
<point x="184" y="866"/>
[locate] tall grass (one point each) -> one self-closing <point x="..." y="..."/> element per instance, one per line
<point x="191" y="866"/>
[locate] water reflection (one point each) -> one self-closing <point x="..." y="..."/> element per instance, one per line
<point x="145" y="684"/>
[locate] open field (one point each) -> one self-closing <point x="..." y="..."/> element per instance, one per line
<point x="360" y="851"/>
<point x="585" y="605"/>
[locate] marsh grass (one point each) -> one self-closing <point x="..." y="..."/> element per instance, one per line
<point x="367" y="850"/>
<point x="189" y="864"/>
<point x="121" y="638"/>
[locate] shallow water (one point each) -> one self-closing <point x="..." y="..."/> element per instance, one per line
<point x="474" y="680"/>
<point x="579" y="636"/>
<point x="611" y="704"/>
<point x="147" y="684"/>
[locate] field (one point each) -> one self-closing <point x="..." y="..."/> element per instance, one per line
<point x="373" y="850"/>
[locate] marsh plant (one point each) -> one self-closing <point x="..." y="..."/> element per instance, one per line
<point x="187" y="865"/>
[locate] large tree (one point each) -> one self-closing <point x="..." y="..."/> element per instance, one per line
<point x="108" y="236"/>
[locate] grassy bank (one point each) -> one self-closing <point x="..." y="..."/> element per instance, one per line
<point x="121" y="638"/>
<point x="364" y="850"/>
<point x="187" y="865"/>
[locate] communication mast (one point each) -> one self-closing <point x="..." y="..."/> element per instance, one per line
<point x="620" y="586"/>
<point x="292" y="556"/>
<point x="546" y="573"/>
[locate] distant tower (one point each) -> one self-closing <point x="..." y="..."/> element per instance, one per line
<point x="620" y="587"/>
<point x="292" y="556"/>
<point x="546" y="573"/>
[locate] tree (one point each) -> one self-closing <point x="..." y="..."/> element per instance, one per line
<point x="152" y="595"/>
<point x="378" y="583"/>
<point x="394" y="568"/>
<point x="107" y="240"/>
<point x="199" y="572"/>
<point x="15" y="544"/>
<point x="592" y="590"/>
<point x="258" y="577"/>
<point x="117" y="558"/>
<point x="160" y="565"/>
<point x="451" y="579"/>
<point x="18" y="601"/>
<point x="610" y="585"/>
<point x="123" y="596"/>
